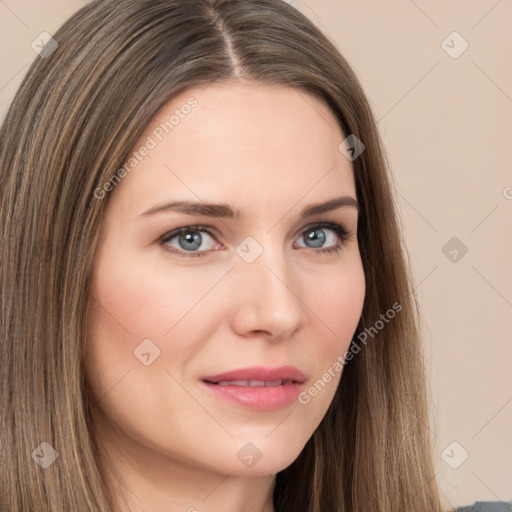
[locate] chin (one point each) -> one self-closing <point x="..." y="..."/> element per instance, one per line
<point x="256" y="457"/>
<point x="275" y="456"/>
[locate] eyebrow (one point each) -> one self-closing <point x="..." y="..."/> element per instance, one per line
<point x="225" y="211"/>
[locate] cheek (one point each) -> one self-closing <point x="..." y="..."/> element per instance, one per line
<point x="148" y="301"/>
<point x="132" y="303"/>
<point x="161" y="312"/>
<point x="336" y="304"/>
<point x="335" y="309"/>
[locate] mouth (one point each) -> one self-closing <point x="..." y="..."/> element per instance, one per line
<point x="257" y="388"/>
<point x="252" y="383"/>
<point x="258" y="376"/>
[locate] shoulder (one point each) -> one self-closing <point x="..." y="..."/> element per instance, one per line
<point x="487" y="506"/>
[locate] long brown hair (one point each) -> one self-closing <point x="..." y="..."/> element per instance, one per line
<point x="71" y="126"/>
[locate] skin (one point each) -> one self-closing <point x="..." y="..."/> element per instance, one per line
<point x="269" y="151"/>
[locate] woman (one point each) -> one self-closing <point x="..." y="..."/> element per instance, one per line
<point x="165" y="166"/>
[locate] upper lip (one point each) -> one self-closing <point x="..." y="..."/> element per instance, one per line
<point x="260" y="373"/>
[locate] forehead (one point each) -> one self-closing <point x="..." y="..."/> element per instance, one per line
<point x="254" y="141"/>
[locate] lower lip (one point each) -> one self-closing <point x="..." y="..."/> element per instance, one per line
<point x="258" y="397"/>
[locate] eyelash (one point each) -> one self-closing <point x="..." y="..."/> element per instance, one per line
<point x="342" y="233"/>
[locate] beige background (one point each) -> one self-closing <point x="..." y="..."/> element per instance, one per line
<point x="447" y="125"/>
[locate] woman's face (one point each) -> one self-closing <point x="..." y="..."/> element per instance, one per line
<point x="265" y="288"/>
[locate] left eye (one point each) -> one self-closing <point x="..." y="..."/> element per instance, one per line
<point x="190" y="239"/>
<point x="316" y="235"/>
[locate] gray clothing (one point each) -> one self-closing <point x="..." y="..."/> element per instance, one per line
<point x="487" y="506"/>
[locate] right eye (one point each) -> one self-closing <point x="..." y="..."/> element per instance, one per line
<point x="189" y="240"/>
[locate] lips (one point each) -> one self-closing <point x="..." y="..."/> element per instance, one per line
<point x="258" y="376"/>
<point x="278" y="382"/>
<point x="258" y="387"/>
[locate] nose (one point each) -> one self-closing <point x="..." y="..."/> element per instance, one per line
<point x="268" y="299"/>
